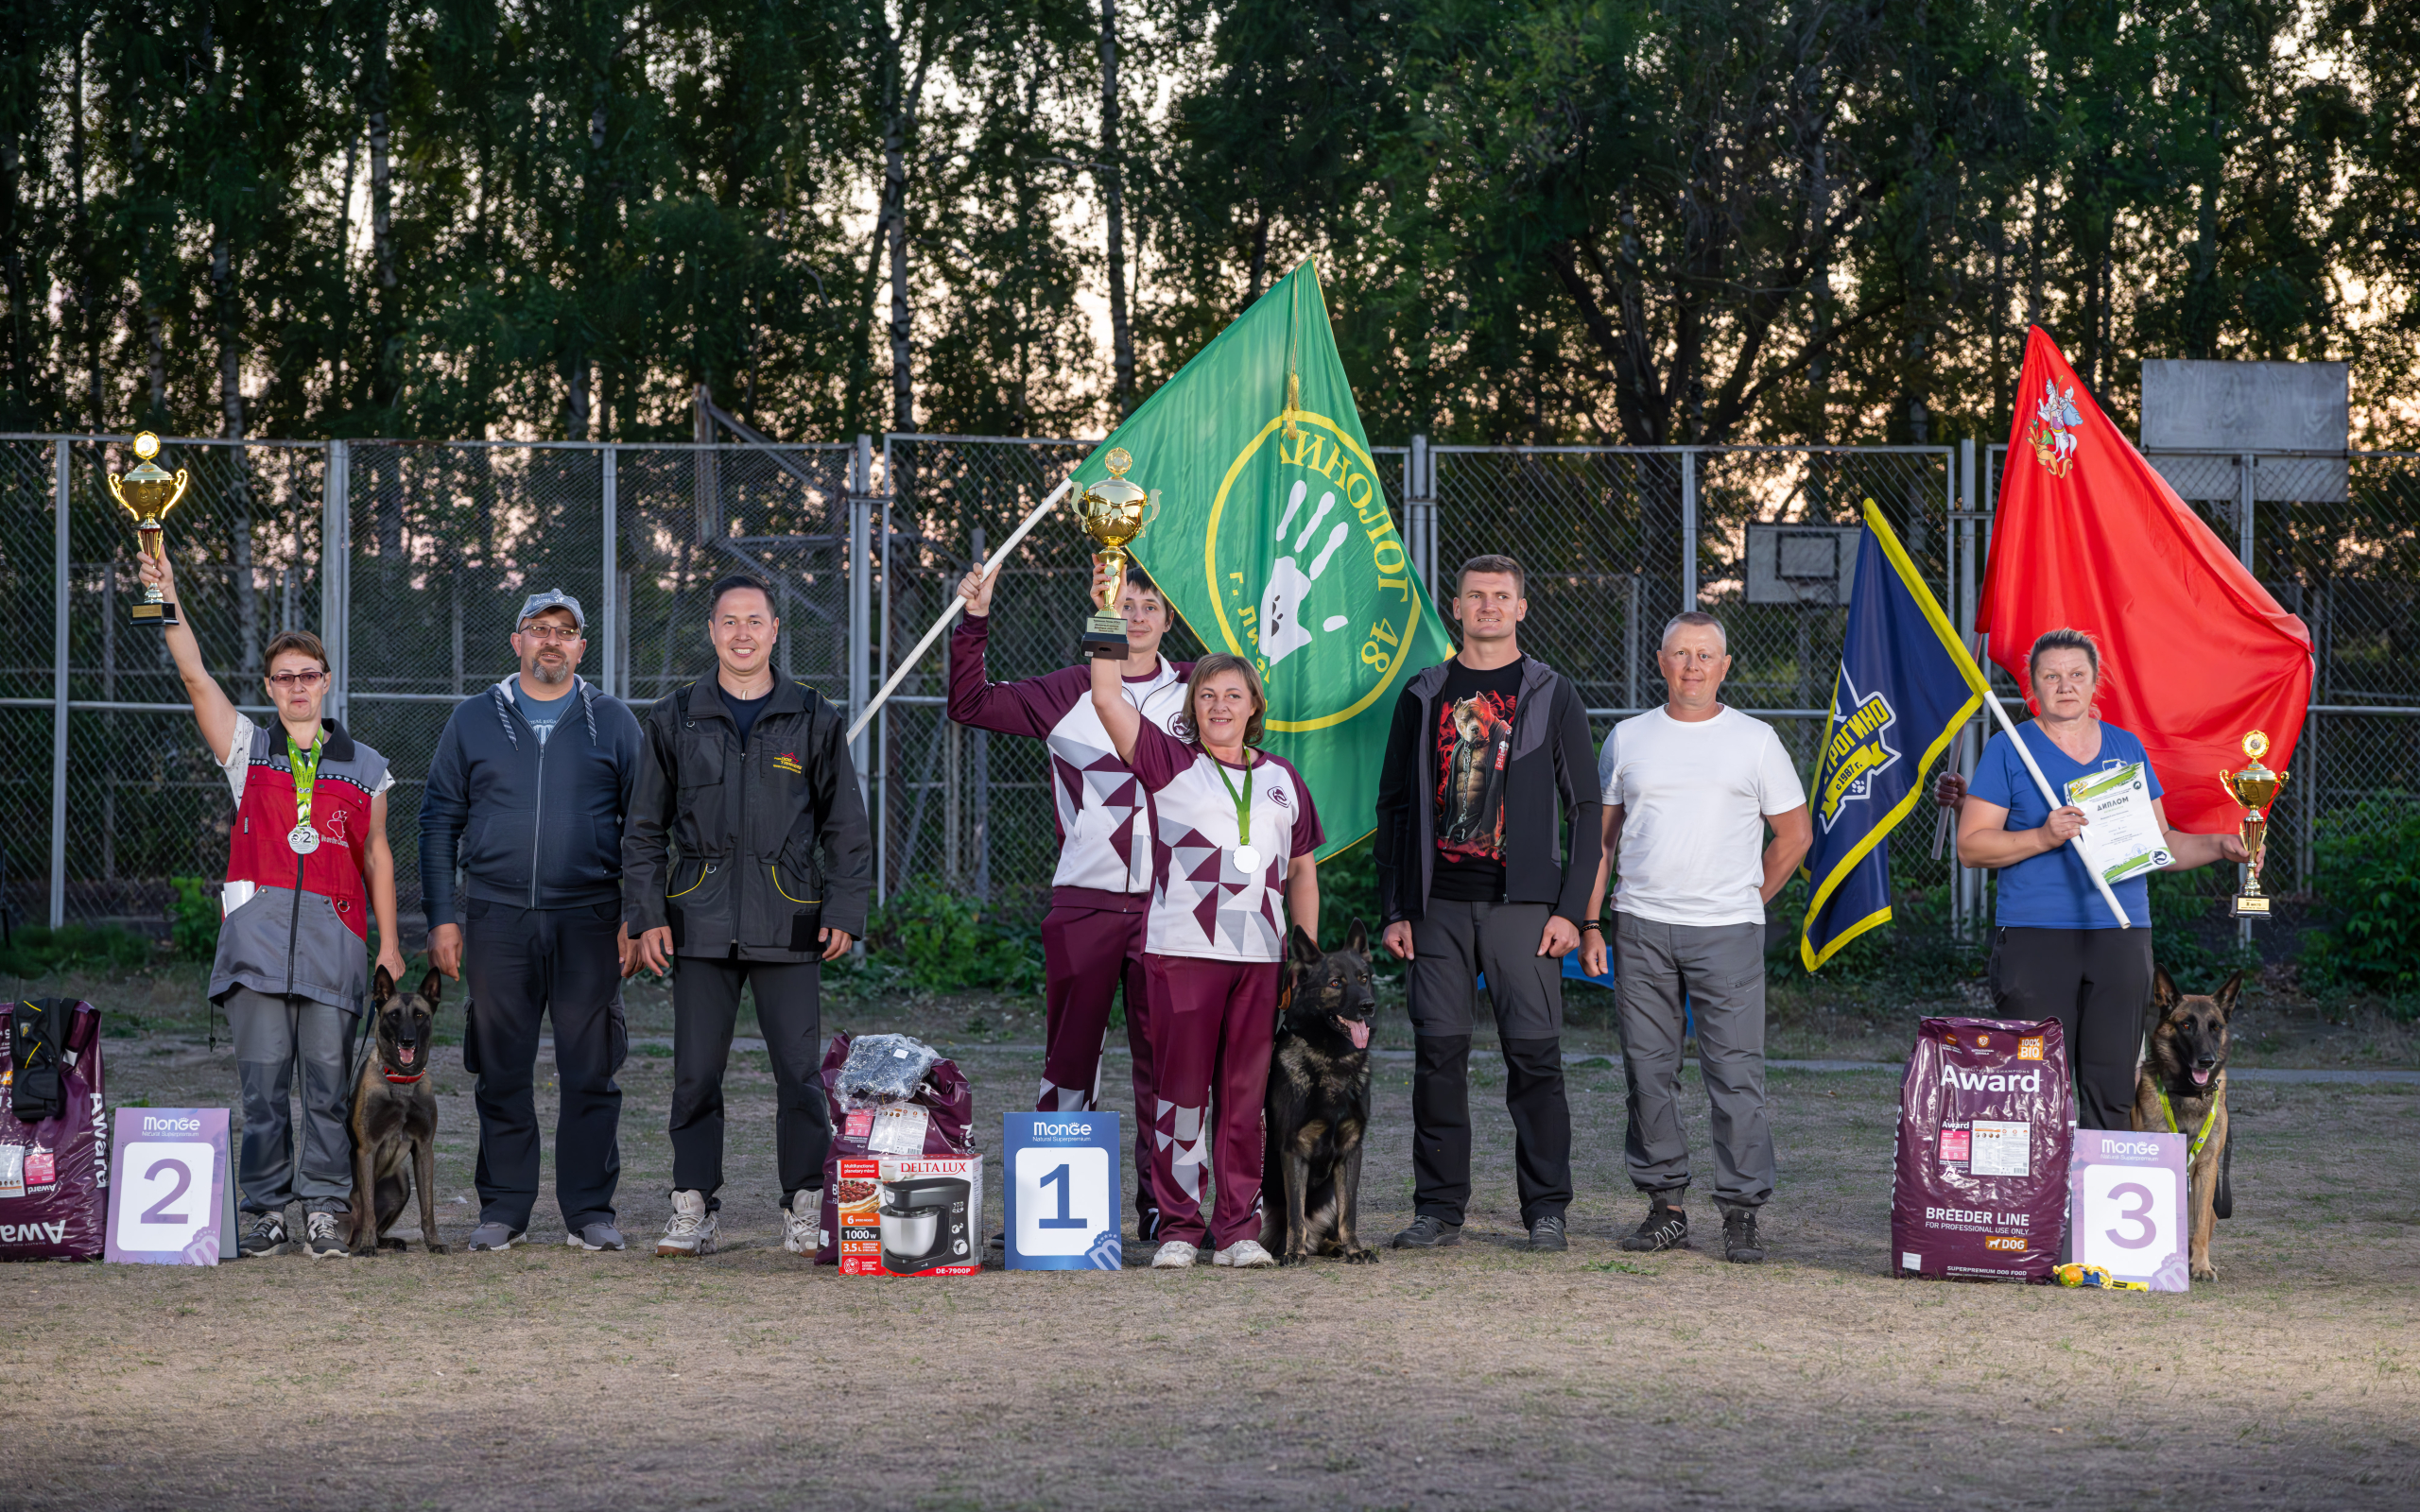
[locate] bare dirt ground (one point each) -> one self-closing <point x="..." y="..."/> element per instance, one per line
<point x="1483" y="1375"/>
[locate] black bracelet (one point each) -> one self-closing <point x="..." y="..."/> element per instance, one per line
<point x="1594" y="925"/>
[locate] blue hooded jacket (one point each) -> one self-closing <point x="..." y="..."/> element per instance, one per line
<point x="530" y="824"/>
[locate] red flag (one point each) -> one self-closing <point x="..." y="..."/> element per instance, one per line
<point x="2194" y="653"/>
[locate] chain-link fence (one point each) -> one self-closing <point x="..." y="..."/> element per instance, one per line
<point x="106" y="794"/>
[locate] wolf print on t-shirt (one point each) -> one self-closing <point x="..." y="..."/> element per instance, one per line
<point x="1474" y="740"/>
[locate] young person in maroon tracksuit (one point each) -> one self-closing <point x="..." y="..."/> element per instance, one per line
<point x="1233" y="831"/>
<point x="1092" y="938"/>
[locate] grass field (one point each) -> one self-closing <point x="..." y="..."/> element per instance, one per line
<point x="1480" y="1377"/>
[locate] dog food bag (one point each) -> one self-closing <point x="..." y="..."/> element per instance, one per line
<point x="54" y="1167"/>
<point x="933" y="1121"/>
<point x="1986" y="1124"/>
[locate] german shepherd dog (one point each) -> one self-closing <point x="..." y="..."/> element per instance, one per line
<point x="1318" y="1102"/>
<point x="394" y="1120"/>
<point x="2187" y="1059"/>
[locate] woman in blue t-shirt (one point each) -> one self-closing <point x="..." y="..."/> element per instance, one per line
<point x="2058" y="953"/>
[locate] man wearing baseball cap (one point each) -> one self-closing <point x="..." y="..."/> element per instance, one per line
<point x="537" y="773"/>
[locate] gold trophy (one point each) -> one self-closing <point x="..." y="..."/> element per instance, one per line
<point x="148" y="493"/>
<point x="2256" y="788"/>
<point x="1113" y="514"/>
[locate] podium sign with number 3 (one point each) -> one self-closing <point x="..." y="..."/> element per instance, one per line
<point x="2128" y="1206"/>
<point x="168" y="1187"/>
<point x="1063" y="1191"/>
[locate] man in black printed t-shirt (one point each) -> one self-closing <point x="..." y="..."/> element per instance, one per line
<point x="1487" y="843"/>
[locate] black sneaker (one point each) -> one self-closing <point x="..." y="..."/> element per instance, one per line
<point x="1665" y="1228"/>
<point x="266" y="1236"/>
<point x="1428" y="1231"/>
<point x="1546" y="1235"/>
<point x="325" y="1237"/>
<point x="1739" y="1242"/>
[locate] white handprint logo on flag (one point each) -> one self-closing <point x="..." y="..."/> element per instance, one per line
<point x="1281" y="632"/>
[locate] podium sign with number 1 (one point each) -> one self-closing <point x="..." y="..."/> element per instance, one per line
<point x="1063" y="1191"/>
<point x="169" y="1191"/>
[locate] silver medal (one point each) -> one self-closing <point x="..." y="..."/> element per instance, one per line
<point x="302" y="839"/>
<point x="1248" y="860"/>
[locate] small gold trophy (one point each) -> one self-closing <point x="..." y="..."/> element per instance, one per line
<point x="148" y="493"/>
<point x="2256" y="788"/>
<point x="1113" y="514"/>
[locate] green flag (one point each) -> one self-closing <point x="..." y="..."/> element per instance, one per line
<point x="1274" y="542"/>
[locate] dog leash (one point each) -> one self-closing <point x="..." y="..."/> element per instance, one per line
<point x="2210" y="1119"/>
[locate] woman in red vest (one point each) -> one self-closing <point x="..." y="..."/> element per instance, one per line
<point x="307" y="864"/>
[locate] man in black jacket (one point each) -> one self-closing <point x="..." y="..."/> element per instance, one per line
<point x="1475" y="875"/>
<point x="748" y="775"/>
<point x="537" y="771"/>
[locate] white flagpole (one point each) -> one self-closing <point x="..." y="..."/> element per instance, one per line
<point x="899" y="674"/>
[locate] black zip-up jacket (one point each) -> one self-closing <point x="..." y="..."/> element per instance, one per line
<point x="1550" y="764"/>
<point x="773" y="840"/>
<point x="537" y="826"/>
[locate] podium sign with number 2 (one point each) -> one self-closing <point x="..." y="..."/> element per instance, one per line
<point x="1063" y="1191"/>
<point x="169" y="1186"/>
<point x="2128" y="1206"/>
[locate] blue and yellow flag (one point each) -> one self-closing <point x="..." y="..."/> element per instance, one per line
<point x="1905" y="688"/>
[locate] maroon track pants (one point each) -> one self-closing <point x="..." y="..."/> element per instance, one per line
<point x="1213" y="1023"/>
<point x="1085" y="954"/>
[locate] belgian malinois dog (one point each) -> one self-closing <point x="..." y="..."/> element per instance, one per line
<point x="1318" y="1102"/>
<point x="394" y="1119"/>
<point x="2181" y="1088"/>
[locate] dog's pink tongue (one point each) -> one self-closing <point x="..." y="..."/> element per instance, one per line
<point x="1359" y="1030"/>
<point x="2200" y="1077"/>
<point x="407" y="1052"/>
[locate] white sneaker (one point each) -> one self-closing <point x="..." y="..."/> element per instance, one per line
<point x="692" y="1229"/>
<point x="801" y="1220"/>
<point x="1175" y="1255"/>
<point x="1244" y="1254"/>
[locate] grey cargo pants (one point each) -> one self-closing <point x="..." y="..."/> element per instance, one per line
<point x="272" y="1035"/>
<point x="1721" y="967"/>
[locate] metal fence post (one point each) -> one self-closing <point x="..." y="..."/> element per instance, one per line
<point x="1688" y="530"/>
<point x="59" y="687"/>
<point x="336" y="575"/>
<point x="1962" y="905"/>
<point x="860" y="597"/>
<point x="982" y="771"/>
<point x="610" y="612"/>
<point x="1420" y="510"/>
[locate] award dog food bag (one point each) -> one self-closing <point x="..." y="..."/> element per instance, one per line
<point x="1987" y="1119"/>
<point x="54" y="1132"/>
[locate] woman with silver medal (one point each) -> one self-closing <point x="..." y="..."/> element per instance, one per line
<point x="1213" y="943"/>
<point x="304" y="880"/>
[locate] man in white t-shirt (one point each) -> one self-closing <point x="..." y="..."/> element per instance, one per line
<point x="1689" y="789"/>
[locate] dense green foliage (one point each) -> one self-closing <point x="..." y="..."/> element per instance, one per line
<point x="1645" y="220"/>
<point x="944" y="942"/>
<point x="38" y="951"/>
<point x="2369" y="876"/>
<point x="194" y="919"/>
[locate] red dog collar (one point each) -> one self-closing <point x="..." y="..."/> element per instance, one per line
<point x="402" y="1080"/>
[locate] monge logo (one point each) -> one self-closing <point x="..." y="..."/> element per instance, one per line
<point x="154" y="1124"/>
<point x="1062" y="1128"/>
<point x="1296" y="599"/>
<point x="1855" y="750"/>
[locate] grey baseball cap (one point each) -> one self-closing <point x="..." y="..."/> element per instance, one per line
<point x="552" y="598"/>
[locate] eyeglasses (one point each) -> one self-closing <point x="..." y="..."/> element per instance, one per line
<point x="551" y="632"/>
<point x="304" y="681"/>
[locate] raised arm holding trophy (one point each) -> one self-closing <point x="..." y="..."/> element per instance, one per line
<point x="146" y="493"/>
<point x="1113" y="514"/>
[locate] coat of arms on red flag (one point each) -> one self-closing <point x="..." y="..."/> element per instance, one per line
<point x="2055" y="420"/>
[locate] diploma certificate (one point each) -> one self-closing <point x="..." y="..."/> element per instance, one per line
<point x="2124" y="833"/>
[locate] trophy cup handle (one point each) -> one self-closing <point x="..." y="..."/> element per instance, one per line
<point x="1153" y="515"/>
<point x="120" y="497"/>
<point x="183" y="478"/>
